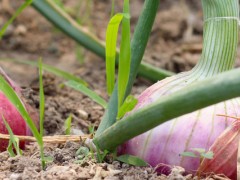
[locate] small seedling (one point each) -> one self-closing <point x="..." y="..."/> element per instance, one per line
<point x="13" y="142"/>
<point x="82" y="152"/>
<point x="101" y="155"/>
<point x="91" y="129"/>
<point x="132" y="160"/>
<point x="198" y="153"/>
<point x="67" y="125"/>
<point x="41" y="112"/>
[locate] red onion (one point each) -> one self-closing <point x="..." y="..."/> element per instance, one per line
<point x="12" y="116"/>
<point x="161" y="147"/>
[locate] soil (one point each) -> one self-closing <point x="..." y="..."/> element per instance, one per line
<point x="175" y="44"/>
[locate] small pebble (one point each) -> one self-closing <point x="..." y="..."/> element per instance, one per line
<point x="82" y="114"/>
<point x="15" y="176"/>
<point x="20" y="30"/>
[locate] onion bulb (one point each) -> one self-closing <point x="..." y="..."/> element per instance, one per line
<point x="12" y="116"/>
<point x="162" y="146"/>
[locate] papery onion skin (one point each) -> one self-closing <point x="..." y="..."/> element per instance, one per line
<point x="13" y="117"/>
<point x="225" y="150"/>
<point x="161" y="147"/>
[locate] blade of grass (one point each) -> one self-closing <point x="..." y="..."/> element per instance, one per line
<point x="41" y="113"/>
<point x="95" y="97"/>
<point x="50" y="69"/>
<point x="111" y="42"/>
<point x="200" y="94"/>
<point x="67" y="125"/>
<point x="12" y="141"/>
<point x="124" y="55"/>
<point x="65" y="23"/>
<point x="19" y="10"/>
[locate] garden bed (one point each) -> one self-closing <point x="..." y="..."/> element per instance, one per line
<point x="175" y="44"/>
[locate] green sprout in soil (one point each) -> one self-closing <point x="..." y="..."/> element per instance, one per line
<point x="198" y="153"/>
<point x="205" y="85"/>
<point x="67" y="125"/>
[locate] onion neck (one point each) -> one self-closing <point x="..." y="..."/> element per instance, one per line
<point x="220" y="37"/>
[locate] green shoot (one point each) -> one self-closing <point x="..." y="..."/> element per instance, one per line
<point x="203" y="153"/>
<point x="132" y="160"/>
<point x="91" y="129"/>
<point x="42" y="105"/>
<point x="15" y="15"/>
<point x="124" y="55"/>
<point x="82" y="152"/>
<point x="189" y="154"/>
<point x="13" y="141"/>
<point x="71" y="28"/>
<point x="91" y="94"/>
<point x="48" y="159"/>
<point x="207" y="155"/>
<point x="67" y="125"/>
<point x="127" y="106"/>
<point x="198" y="153"/>
<point x="101" y="155"/>
<point x="111" y="41"/>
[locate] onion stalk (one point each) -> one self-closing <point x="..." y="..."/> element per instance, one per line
<point x="161" y="147"/>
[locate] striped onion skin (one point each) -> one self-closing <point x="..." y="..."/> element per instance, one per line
<point x="161" y="147"/>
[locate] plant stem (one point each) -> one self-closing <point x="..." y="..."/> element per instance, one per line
<point x="138" y="45"/>
<point x="219" y="50"/>
<point x="66" y="24"/>
<point x="220" y="37"/>
<point x="204" y="93"/>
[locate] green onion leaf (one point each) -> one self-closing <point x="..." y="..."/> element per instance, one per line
<point x="111" y="43"/>
<point x="127" y="106"/>
<point x="124" y="55"/>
